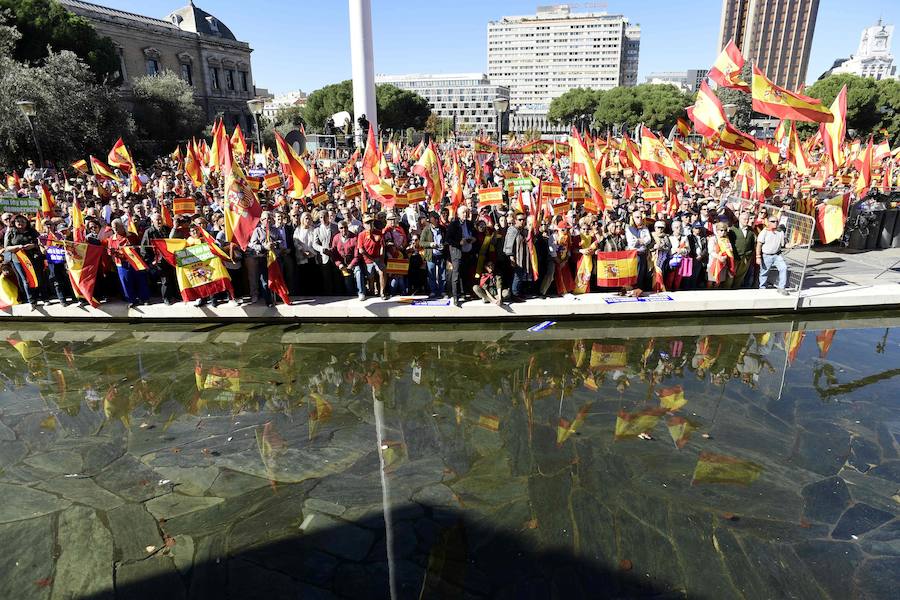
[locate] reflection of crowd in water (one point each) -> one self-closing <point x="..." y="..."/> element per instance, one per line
<point x="281" y="377"/>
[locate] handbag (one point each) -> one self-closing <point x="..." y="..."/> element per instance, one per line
<point x="686" y="268"/>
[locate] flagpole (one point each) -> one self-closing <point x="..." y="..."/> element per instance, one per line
<point x="786" y="356"/>
<point x="378" y="410"/>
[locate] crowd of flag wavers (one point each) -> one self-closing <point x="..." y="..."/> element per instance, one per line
<point x="218" y="221"/>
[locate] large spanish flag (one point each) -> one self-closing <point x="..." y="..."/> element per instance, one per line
<point x="833" y="133"/>
<point x="771" y="99"/>
<point x="199" y="272"/>
<point x="83" y="264"/>
<point x="119" y="157"/>
<point x="295" y="173"/>
<point x="656" y="158"/>
<point x="831" y="216"/>
<point x="242" y="207"/>
<point x="617" y="269"/>
<point x="726" y="71"/>
<point x="864" y="166"/>
<point x="710" y="122"/>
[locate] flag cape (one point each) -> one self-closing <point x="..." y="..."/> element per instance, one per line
<point x="771" y="99"/>
<point x="83" y="264"/>
<point x="200" y="273"/>
<point x="831" y="217"/>
<point x="31" y="277"/>
<point x="617" y="269"/>
<point x="726" y="71"/>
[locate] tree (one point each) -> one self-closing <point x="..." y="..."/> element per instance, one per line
<point x="571" y="105"/>
<point x="75" y="115"/>
<point x="290" y="115"/>
<point x="862" y="102"/>
<point x="165" y="111"/>
<point x="439" y="127"/>
<point x="742" y="100"/>
<point x="656" y="106"/>
<point x="397" y="109"/>
<point x="46" y="23"/>
<point x="889" y="109"/>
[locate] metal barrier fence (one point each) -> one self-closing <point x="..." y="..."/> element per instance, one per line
<point x="799" y="229"/>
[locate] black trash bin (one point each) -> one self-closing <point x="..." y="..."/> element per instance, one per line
<point x="888" y="225"/>
<point x="875" y="227"/>
<point x="857" y="241"/>
<point x="895" y="243"/>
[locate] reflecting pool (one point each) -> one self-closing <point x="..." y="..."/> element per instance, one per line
<point x="691" y="458"/>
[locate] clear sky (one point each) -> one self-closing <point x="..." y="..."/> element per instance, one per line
<point x="304" y="44"/>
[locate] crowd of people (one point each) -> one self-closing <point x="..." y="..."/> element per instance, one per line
<point x="345" y="246"/>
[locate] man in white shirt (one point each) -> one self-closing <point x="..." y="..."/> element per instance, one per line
<point x="769" y="243"/>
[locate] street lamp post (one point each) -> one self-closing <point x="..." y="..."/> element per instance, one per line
<point x="30" y="111"/>
<point x="256" y="107"/>
<point x="501" y="105"/>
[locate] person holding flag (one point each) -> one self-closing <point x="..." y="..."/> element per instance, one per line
<point x="123" y="248"/>
<point x="21" y="242"/>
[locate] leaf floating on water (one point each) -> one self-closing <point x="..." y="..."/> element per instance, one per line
<point x="625" y="565"/>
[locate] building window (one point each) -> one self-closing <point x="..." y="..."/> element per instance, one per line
<point x="244" y="86"/>
<point x="152" y="66"/>
<point x="214" y="77"/>
<point x="186" y="74"/>
<point x="229" y="79"/>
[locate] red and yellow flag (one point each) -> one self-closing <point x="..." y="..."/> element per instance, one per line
<point x="492" y="196"/>
<point x="199" y="272"/>
<point x="831" y="216"/>
<point x="80" y="165"/>
<point x="726" y="71"/>
<point x="238" y="142"/>
<point x="793" y="341"/>
<point x="352" y="190"/>
<point x="166" y="215"/>
<point x="415" y="195"/>
<point x="711" y="122"/>
<point x="272" y="181"/>
<point x="131" y="255"/>
<point x="242" y="207"/>
<point x="833" y="133"/>
<point x="864" y="178"/>
<point x="31" y="277"/>
<point x="134" y="182"/>
<point x="718" y="468"/>
<point x="824" y="340"/>
<point x="584" y="170"/>
<point x="193" y="165"/>
<point x="83" y="264"/>
<point x="277" y="284"/>
<point x="397" y="266"/>
<point x="119" y="157"/>
<point x="565" y="429"/>
<point x="429" y="168"/>
<point x="684" y="128"/>
<point x="295" y="173"/>
<point x="617" y="269"/>
<point x="656" y="158"/>
<point x="672" y="398"/>
<point x="184" y="206"/>
<point x="101" y="169"/>
<point x="771" y="99"/>
<point x="9" y="291"/>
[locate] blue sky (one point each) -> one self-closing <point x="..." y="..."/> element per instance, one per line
<point x="305" y="44"/>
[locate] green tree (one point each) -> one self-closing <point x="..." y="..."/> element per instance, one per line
<point x="862" y="102"/>
<point x="397" y="109"/>
<point x="75" y="115"/>
<point x="439" y="127"/>
<point x="743" y="101"/>
<point x="291" y="116"/>
<point x="656" y="106"/>
<point x="165" y="111"/>
<point x="580" y="101"/>
<point x="46" y="23"/>
<point x="889" y="109"/>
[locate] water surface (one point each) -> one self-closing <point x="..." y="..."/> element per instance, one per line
<point x="704" y="458"/>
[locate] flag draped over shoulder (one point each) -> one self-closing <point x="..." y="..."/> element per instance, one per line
<point x="831" y="216"/>
<point x="726" y="71"/>
<point x="777" y="101"/>
<point x="200" y="273"/>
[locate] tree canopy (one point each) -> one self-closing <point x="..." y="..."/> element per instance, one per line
<point x="863" y="101"/>
<point x="164" y="111"/>
<point x="656" y="106"/>
<point x="397" y="109"/>
<point x="46" y="23"/>
<point x="574" y="103"/>
<point x="75" y="115"/>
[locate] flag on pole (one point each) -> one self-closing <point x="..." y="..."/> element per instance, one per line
<point x="833" y="133"/>
<point x="295" y="173"/>
<point x="726" y="71"/>
<point x="429" y="168"/>
<point x="492" y="196"/>
<point x="771" y="99"/>
<point x="585" y="168"/>
<point x="119" y="157"/>
<point x="80" y="165"/>
<point x="83" y="265"/>
<point x="656" y="158"/>
<point x="238" y="142"/>
<point x="101" y="169"/>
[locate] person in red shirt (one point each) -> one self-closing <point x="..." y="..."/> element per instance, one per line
<point x="131" y="274"/>
<point x="370" y="245"/>
<point x="346" y="259"/>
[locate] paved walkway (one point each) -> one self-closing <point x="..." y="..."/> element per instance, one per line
<point x="835" y="280"/>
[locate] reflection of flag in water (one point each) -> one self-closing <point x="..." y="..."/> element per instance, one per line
<point x="222" y="379"/>
<point x="270" y="444"/>
<point x="320" y="411"/>
<point x="565" y="429"/>
<point x="718" y="468"/>
<point x="608" y="357"/>
<point x="680" y="429"/>
<point x="632" y="424"/>
<point x="672" y="398"/>
<point x="489" y="422"/>
<point x="823" y="341"/>
<point x="792" y="342"/>
<point x="117" y="406"/>
<point x="28" y="350"/>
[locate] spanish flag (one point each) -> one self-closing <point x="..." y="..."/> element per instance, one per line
<point x="176" y="155"/>
<point x="200" y="273"/>
<point x="238" y="142"/>
<point x="272" y="181"/>
<point x="134" y="182"/>
<point x="292" y="166"/>
<point x="585" y="168"/>
<point x="83" y="264"/>
<point x="184" y="206"/>
<point x="680" y="429"/>
<point x="48" y="203"/>
<point x="429" y="168"/>
<point x="831" y="216"/>
<point x="608" y="357"/>
<point x="771" y="99"/>
<point x="382" y="192"/>
<point x="166" y="214"/>
<point x="9" y="291"/>
<point x="726" y="71"/>
<point x="672" y="398"/>
<point x="319" y="199"/>
<point x="684" y="128"/>
<point x="617" y="269"/>
<point x="718" y="468"/>
<point x="864" y="178"/>
<point x="415" y="195"/>
<point x="630" y="425"/>
<point x="397" y="266"/>
<point x="119" y="157"/>
<point x="824" y="340"/>
<point x="214" y="245"/>
<point x="489" y="422"/>
<point x="276" y="278"/>
<point x="80" y="165"/>
<point x="28" y="350"/>
<point x="193" y="165"/>
<point x="101" y="169"/>
<point x="656" y="158"/>
<point x="492" y="196"/>
<point x="550" y="191"/>
<point x="255" y="183"/>
<point x="793" y="341"/>
<point x="565" y="428"/>
<point x="78" y="229"/>
<point x="31" y="277"/>
<point x="833" y="133"/>
<point x="133" y="258"/>
<point x="652" y="194"/>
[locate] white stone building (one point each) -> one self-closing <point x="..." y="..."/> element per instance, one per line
<point x="540" y="57"/>
<point x="276" y="103"/>
<point x="873" y="58"/>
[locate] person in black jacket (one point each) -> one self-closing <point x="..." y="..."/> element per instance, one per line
<point x="460" y="236"/>
<point x="160" y="270"/>
<point x="21" y="243"/>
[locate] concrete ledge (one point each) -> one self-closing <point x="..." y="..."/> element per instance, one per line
<point x="406" y="309"/>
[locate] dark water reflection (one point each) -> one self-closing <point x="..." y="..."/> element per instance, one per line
<point x="712" y="459"/>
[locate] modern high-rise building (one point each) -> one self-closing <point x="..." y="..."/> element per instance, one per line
<point x="776" y="35"/>
<point x="873" y="58"/>
<point x="540" y="57"/>
<point x="467" y="98"/>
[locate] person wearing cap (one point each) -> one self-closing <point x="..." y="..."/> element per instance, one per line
<point x="370" y="246"/>
<point x="431" y="240"/>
